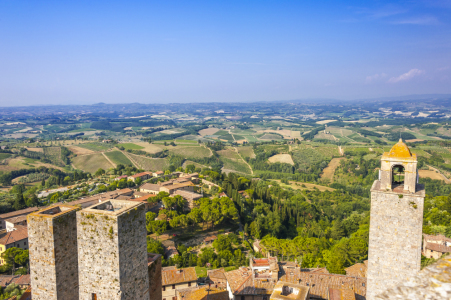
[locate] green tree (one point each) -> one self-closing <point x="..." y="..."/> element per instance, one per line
<point x="19" y="202"/>
<point x="99" y="172"/>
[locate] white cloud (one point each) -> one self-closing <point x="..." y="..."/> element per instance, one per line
<point x="375" y="77"/>
<point x="424" y="20"/>
<point x="406" y="76"/>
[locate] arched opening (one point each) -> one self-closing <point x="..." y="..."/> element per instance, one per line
<point x="397" y="175"/>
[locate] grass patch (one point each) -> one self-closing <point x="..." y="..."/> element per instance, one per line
<point x="201" y="271"/>
<point x="150" y="164"/>
<point x="118" y="157"/>
<point x="195" y="151"/>
<point x="4" y="155"/>
<point x="95" y="146"/>
<point x="91" y="163"/>
<point x="131" y="146"/>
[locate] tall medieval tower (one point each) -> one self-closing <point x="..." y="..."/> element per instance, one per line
<point x="112" y="251"/>
<point x="52" y="235"/>
<point x="397" y="200"/>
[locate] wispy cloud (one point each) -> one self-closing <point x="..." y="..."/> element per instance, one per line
<point x="375" y="77"/>
<point x="406" y="76"/>
<point x="424" y="20"/>
<point x="443" y="69"/>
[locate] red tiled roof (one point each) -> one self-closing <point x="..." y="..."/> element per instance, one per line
<point x="17" y="219"/>
<point x="241" y="283"/>
<point x="178" y="276"/>
<point x="27" y="211"/>
<point x="320" y="283"/>
<point x="210" y="238"/>
<point x="357" y="270"/>
<point x="201" y="293"/>
<point x="341" y="294"/>
<point x="141" y="174"/>
<point x="438" y="247"/>
<point x="13" y="236"/>
<point x="440" y="238"/>
<point x="217" y="273"/>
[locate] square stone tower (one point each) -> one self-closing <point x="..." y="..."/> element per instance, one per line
<point x="396" y="224"/>
<point x="52" y="236"/>
<point x="112" y="251"/>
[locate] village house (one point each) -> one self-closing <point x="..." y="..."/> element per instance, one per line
<point x="17" y="238"/>
<point x="22" y="212"/>
<point x="23" y="281"/>
<point x="158" y="174"/>
<point x="121" y="177"/>
<point x="210" y="239"/>
<point x="217" y="279"/>
<point x="170" y="252"/>
<point x="143" y="176"/>
<point x="150" y="188"/>
<point x="242" y="285"/>
<point x="186" y="186"/>
<point x="434" y="246"/>
<point x="177" y="279"/>
<point x="340" y="294"/>
<point x="14" y="222"/>
<point x="357" y="270"/>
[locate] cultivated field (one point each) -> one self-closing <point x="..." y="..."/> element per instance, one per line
<point x="328" y="172"/>
<point x="196" y="151"/>
<point x="246" y="151"/>
<point x="131" y="146"/>
<point x="307" y="186"/>
<point x="91" y="163"/>
<point x="430" y="174"/>
<point x="149" y="148"/>
<point x="150" y="164"/>
<point x="95" y="146"/>
<point x="208" y="131"/>
<point x="79" y="150"/>
<point x="117" y="157"/>
<point x="282" y="158"/>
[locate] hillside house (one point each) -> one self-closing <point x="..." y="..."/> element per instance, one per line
<point x="22" y="212"/>
<point x="217" y="278"/>
<point x="177" y="279"/>
<point x="17" y="238"/>
<point x="143" y="176"/>
<point x="435" y="246"/>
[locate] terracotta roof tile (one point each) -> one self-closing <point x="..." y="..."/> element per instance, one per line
<point x="28" y="210"/>
<point x="341" y="294"/>
<point x="357" y="270"/>
<point x="201" y="293"/>
<point x="217" y="273"/>
<point x="438" y="248"/>
<point x="178" y="276"/>
<point x="13" y="236"/>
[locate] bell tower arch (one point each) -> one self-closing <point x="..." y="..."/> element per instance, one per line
<point x="396" y="221"/>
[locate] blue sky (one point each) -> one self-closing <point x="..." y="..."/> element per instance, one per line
<point x="65" y="52"/>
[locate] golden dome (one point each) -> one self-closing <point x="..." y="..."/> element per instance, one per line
<point x="400" y="150"/>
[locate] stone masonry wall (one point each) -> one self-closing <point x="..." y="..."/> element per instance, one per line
<point x="134" y="279"/>
<point x="394" y="254"/>
<point x="53" y="256"/>
<point x="98" y="256"/>
<point x="154" y="272"/>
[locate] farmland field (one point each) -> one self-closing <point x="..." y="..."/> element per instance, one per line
<point x="4" y="156"/>
<point x="232" y="161"/>
<point x="282" y="158"/>
<point x="328" y="172"/>
<point x="195" y="151"/>
<point x="149" y="148"/>
<point x="118" y="157"/>
<point x="95" y="146"/>
<point x="131" y="146"/>
<point x="91" y="163"/>
<point x="246" y="151"/>
<point x="150" y="164"/>
<point x="430" y="174"/>
<point x="307" y="186"/>
<point x="208" y="131"/>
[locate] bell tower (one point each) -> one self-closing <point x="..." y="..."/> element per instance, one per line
<point x="396" y="223"/>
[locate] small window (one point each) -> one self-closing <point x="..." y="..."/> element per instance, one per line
<point x="173" y="286"/>
<point x="164" y="289"/>
<point x="363" y="284"/>
<point x="94" y="296"/>
<point x="189" y="283"/>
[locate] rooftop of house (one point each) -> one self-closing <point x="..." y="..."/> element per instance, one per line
<point x="14" y="236"/>
<point x="203" y="293"/>
<point x="439" y="238"/>
<point x="341" y="294"/>
<point x="150" y="187"/>
<point x="112" y="207"/>
<point x="285" y="290"/>
<point x="178" y="186"/>
<point x="320" y="283"/>
<point x="438" y="247"/>
<point x="151" y="257"/>
<point x="357" y="270"/>
<point x="17" y="279"/>
<point x="177" y="276"/>
<point x="399" y="150"/>
<point x="143" y="198"/>
<point x="210" y="238"/>
<point x="141" y="174"/>
<point x="18" y="219"/>
<point x="216" y="273"/>
<point x="241" y="283"/>
<point x="19" y="212"/>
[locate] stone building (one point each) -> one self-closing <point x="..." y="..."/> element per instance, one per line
<point x="52" y="234"/>
<point x="112" y="251"/>
<point x="154" y="271"/>
<point x="177" y="279"/>
<point x="17" y="238"/>
<point x="397" y="200"/>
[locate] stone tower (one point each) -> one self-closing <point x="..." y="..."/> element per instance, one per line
<point x="52" y="236"/>
<point x="112" y="251"/>
<point x="397" y="200"/>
